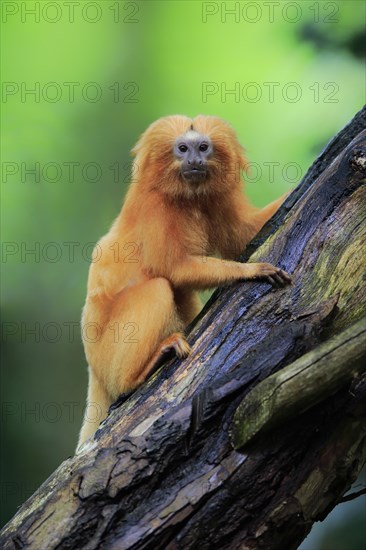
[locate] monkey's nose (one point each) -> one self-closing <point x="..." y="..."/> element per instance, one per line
<point x="195" y="163"/>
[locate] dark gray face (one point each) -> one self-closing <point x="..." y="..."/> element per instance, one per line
<point x="193" y="150"/>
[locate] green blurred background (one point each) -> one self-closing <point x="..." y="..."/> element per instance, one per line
<point x="80" y="83"/>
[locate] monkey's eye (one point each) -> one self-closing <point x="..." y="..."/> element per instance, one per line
<point x="203" y="147"/>
<point x="183" y="148"/>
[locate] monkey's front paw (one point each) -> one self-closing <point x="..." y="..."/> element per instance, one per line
<point x="272" y="274"/>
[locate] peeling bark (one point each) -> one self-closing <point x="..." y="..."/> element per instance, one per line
<point x="162" y="472"/>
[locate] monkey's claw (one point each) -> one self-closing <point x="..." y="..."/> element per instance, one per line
<point x="280" y="278"/>
<point x="274" y="275"/>
<point x="179" y="345"/>
<point x="175" y="344"/>
<point x="182" y="349"/>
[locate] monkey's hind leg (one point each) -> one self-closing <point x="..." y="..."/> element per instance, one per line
<point x="149" y="308"/>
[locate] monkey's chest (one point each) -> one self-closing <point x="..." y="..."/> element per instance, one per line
<point x="196" y="234"/>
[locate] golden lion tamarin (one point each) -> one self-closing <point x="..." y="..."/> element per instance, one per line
<point x="184" y="205"/>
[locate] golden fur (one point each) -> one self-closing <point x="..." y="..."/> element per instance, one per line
<point x="142" y="288"/>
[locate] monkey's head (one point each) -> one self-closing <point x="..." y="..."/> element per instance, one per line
<point x="185" y="157"/>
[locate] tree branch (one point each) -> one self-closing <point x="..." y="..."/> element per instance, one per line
<point x="353" y="496"/>
<point x="161" y="471"/>
<point x="293" y="390"/>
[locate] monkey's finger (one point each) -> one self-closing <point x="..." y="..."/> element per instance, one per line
<point x="284" y="276"/>
<point x="271" y="280"/>
<point x="279" y="280"/>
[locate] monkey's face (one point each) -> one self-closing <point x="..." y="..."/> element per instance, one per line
<point x="190" y="158"/>
<point x="193" y="151"/>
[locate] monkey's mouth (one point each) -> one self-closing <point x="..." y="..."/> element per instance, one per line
<point x="195" y="174"/>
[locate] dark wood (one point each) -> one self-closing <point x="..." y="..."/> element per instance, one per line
<point x="162" y="472"/>
<point x="304" y="383"/>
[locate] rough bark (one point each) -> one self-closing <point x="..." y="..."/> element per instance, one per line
<point x="162" y="471"/>
<point x="293" y="390"/>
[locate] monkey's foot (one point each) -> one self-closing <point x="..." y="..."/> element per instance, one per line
<point x="273" y="275"/>
<point x="177" y="343"/>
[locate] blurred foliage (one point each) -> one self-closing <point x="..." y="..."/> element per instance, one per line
<point x="102" y="71"/>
